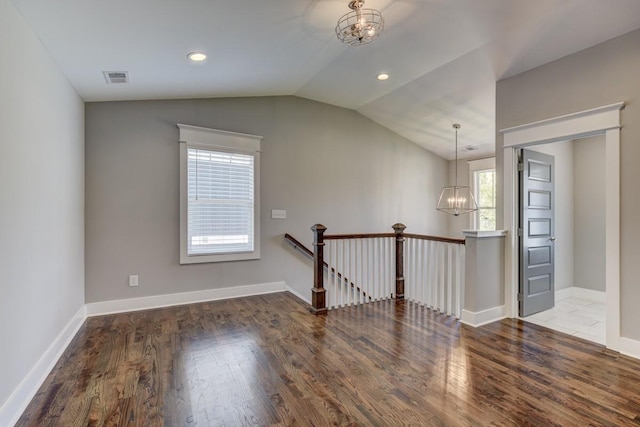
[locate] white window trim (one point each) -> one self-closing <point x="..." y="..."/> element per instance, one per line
<point x="213" y="139"/>
<point x="477" y="166"/>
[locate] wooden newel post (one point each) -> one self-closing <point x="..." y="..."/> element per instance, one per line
<point x="318" y="301"/>
<point x="399" y="229"/>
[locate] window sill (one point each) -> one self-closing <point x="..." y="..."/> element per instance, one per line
<point x="201" y="259"/>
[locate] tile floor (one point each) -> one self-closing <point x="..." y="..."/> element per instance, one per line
<point x="575" y="316"/>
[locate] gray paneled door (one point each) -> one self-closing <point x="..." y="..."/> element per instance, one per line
<point x="537" y="239"/>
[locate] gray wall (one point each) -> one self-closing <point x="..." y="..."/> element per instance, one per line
<point x="42" y="197"/>
<point x="601" y="75"/>
<point x="321" y="163"/>
<point x="589" y="213"/>
<point x="484" y="273"/>
<point x="564" y="210"/>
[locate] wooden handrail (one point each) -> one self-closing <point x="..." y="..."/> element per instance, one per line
<point x="301" y="247"/>
<point x="296" y="244"/>
<point x="357" y="236"/>
<point x="434" y="238"/>
<point x="382" y="235"/>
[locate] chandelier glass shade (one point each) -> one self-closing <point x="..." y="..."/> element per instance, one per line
<point x="457" y="200"/>
<point x="360" y="26"/>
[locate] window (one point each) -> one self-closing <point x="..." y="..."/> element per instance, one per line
<point x="483" y="183"/>
<point x="219" y="195"/>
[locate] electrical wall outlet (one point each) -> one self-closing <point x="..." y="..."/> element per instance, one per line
<point x="278" y="214"/>
<point x="133" y="280"/>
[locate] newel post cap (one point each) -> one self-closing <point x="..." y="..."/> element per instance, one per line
<point x="398" y="228"/>
<point x="319" y="228"/>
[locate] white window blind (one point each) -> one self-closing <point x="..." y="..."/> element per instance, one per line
<point x="220" y="202"/>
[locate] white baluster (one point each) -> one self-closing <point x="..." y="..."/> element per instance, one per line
<point x="441" y="279"/>
<point x="410" y="272"/>
<point x="359" y="283"/>
<point x="418" y="268"/>
<point x="366" y="267"/>
<point x="336" y="295"/>
<point x="423" y="281"/>
<point x="388" y="254"/>
<point x="433" y="273"/>
<point x="414" y="260"/>
<point x="449" y="309"/>
<point x="461" y="260"/>
<point x="374" y="265"/>
<point x="331" y="289"/>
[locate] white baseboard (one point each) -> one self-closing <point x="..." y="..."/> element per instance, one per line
<point x="483" y="317"/>
<point x="630" y="347"/>
<point x="564" y="293"/>
<point x="158" y="301"/>
<point x="304" y="298"/>
<point x="15" y="405"/>
<point x="582" y="293"/>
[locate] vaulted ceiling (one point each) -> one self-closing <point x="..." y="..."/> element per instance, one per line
<point x="443" y="56"/>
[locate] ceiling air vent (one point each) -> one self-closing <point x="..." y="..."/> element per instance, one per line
<point x="116" y="76"/>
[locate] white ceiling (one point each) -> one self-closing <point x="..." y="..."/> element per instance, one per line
<point x="444" y="56"/>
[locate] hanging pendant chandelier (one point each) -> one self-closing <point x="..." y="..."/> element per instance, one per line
<point x="361" y="26"/>
<point x="457" y="200"/>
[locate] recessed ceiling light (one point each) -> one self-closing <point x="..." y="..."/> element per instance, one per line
<point x="383" y="76"/>
<point x="197" y="56"/>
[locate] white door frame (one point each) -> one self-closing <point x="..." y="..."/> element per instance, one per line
<point x="597" y="121"/>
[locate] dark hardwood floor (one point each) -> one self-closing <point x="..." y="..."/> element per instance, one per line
<point x="265" y="360"/>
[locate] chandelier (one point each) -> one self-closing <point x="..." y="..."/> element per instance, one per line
<point x="361" y="26"/>
<point x="457" y="200"/>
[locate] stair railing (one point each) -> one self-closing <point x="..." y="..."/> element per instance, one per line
<point x="362" y="268"/>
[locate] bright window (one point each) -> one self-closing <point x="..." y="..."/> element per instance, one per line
<point x="219" y="214"/>
<point x="483" y="183"/>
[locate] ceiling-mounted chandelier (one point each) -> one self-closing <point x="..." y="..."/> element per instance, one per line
<point x="361" y="26"/>
<point x="457" y="200"/>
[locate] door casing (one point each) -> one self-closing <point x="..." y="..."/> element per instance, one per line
<point x="598" y="121"/>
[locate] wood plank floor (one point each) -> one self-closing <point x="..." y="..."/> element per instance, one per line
<point x="265" y="360"/>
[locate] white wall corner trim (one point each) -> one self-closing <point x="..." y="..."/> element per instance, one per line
<point x="483" y="317"/>
<point x="630" y="347"/>
<point x="13" y="408"/>
<point x="158" y="301"/>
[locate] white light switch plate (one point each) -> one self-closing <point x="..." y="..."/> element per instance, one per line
<point x="278" y="214"/>
<point x="133" y="280"/>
